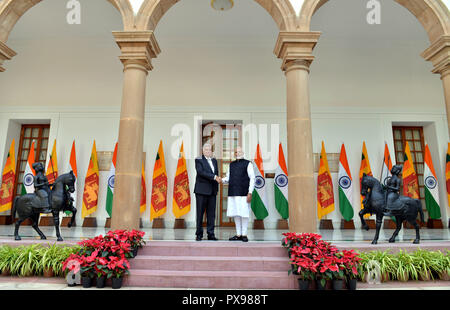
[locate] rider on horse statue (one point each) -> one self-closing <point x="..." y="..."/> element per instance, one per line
<point x="392" y="188"/>
<point x="42" y="187"/>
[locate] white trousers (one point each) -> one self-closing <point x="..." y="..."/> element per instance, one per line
<point x="241" y="225"/>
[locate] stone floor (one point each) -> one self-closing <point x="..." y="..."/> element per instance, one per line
<point x="340" y="237"/>
<point x="223" y="233"/>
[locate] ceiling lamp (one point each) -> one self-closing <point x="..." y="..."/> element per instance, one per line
<point x="222" y="5"/>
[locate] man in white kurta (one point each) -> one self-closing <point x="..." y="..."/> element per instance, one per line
<point x="241" y="180"/>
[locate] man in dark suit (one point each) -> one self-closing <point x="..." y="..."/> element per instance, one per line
<point x="206" y="187"/>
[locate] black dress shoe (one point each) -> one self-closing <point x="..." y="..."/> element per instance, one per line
<point x="235" y="238"/>
<point x="212" y="238"/>
<point x="198" y="238"/>
<point x="244" y="238"/>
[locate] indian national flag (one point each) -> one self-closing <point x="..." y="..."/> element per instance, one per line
<point x="72" y="166"/>
<point x="325" y="194"/>
<point x="364" y="168"/>
<point x="281" y="185"/>
<point x="52" y="166"/>
<point x="387" y="165"/>
<point x="159" y="185"/>
<point x="410" y="181"/>
<point x="111" y="178"/>
<point x="91" y="184"/>
<point x="431" y="187"/>
<point x="8" y="177"/>
<point x="259" y="199"/>
<point x="28" y="176"/>
<point x="447" y="172"/>
<point x="345" y="186"/>
<point x="143" y="204"/>
<point x="181" y="193"/>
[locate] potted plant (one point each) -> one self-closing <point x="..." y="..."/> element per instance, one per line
<point x="117" y="268"/>
<point x="8" y="255"/>
<point x="352" y="267"/>
<point x="100" y="268"/>
<point x="27" y="261"/>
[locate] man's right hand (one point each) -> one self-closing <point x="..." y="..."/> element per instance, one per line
<point x="218" y="179"/>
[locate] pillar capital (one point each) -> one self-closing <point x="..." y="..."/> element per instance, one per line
<point x="439" y="55"/>
<point x="297" y="47"/>
<point x="138" y="48"/>
<point x="5" y="54"/>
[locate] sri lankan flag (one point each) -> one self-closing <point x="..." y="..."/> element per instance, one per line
<point x="143" y="204"/>
<point x="8" y="177"/>
<point x="91" y="184"/>
<point x="52" y="166"/>
<point x="410" y="181"/>
<point x="325" y="195"/>
<point x="431" y="187"/>
<point x="447" y="172"/>
<point x="159" y="185"/>
<point x="364" y="168"/>
<point x="181" y="193"/>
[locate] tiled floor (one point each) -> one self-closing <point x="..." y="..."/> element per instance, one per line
<point x="337" y="235"/>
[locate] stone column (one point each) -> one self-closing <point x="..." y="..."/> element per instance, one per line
<point x="5" y="54"/>
<point x="295" y="49"/>
<point x="439" y="55"/>
<point x="138" y="48"/>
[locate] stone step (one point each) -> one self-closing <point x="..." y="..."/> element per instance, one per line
<point x="208" y="279"/>
<point x="213" y="248"/>
<point x="210" y="263"/>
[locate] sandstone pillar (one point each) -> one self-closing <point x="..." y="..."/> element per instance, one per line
<point x="137" y="50"/>
<point x="5" y="54"/>
<point x="295" y="49"/>
<point x="439" y="55"/>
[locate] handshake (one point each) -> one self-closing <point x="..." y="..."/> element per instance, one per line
<point x="218" y="179"/>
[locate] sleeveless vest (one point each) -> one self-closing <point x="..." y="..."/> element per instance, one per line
<point x="239" y="180"/>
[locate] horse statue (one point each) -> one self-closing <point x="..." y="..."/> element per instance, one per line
<point x="30" y="206"/>
<point x="406" y="208"/>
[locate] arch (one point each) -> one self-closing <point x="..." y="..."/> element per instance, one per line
<point x="12" y="10"/>
<point x="432" y="14"/>
<point x="281" y="11"/>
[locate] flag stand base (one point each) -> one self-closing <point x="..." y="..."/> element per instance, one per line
<point x="389" y="224"/>
<point x="46" y="221"/>
<point x="158" y="223"/>
<point x="179" y="224"/>
<point x="6" y="220"/>
<point x="282" y="224"/>
<point x="66" y="220"/>
<point x="258" y="224"/>
<point x="108" y="223"/>
<point x="370" y="223"/>
<point x="436" y="224"/>
<point x="90" y="222"/>
<point x="326" y="224"/>
<point x="347" y="224"/>
<point x="407" y="225"/>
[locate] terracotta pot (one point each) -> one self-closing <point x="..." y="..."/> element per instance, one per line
<point x="48" y="272"/>
<point x="5" y="272"/>
<point x="444" y="276"/>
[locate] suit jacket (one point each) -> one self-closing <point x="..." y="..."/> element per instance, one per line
<point x="204" y="181"/>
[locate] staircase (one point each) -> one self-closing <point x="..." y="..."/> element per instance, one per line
<point x="211" y="264"/>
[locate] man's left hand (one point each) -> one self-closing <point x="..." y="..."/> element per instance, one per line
<point x="249" y="198"/>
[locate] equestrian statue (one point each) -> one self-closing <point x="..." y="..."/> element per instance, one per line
<point x="385" y="200"/>
<point x="47" y="198"/>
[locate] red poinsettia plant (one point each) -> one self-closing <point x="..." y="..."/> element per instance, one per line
<point x="105" y="255"/>
<point x="313" y="258"/>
